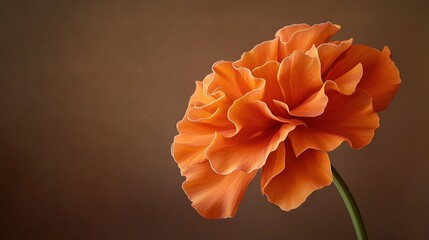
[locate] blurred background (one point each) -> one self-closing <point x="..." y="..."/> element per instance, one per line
<point x="90" y="92"/>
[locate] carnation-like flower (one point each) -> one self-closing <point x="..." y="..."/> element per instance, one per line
<point x="280" y="109"/>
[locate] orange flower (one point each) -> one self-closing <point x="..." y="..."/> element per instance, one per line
<point x="280" y="108"/>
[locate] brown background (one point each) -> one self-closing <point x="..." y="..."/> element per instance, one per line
<point x="90" y="93"/>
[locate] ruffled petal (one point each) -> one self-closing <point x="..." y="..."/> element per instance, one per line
<point x="313" y="106"/>
<point x="216" y="118"/>
<point x="380" y="76"/>
<point x="258" y="133"/>
<point x="346" y="118"/>
<point x="187" y="127"/>
<point x="300" y="177"/>
<point x="200" y="97"/>
<point x="259" y="55"/>
<point x="299" y="77"/>
<point x="304" y="138"/>
<point x="213" y="195"/>
<point x="302" y="40"/>
<point x="347" y="83"/>
<point x="274" y="165"/>
<point x="230" y="81"/>
<point x="189" y="150"/>
<point x="251" y="115"/>
<point x="244" y="151"/>
<point x="213" y="97"/>
<point x="272" y="91"/>
<point x="205" y="112"/>
<point x="382" y="82"/>
<point x="190" y="145"/>
<point x="329" y="52"/>
<point x="205" y="107"/>
<point x="286" y="33"/>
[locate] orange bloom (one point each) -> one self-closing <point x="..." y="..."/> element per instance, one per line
<point x="280" y="108"/>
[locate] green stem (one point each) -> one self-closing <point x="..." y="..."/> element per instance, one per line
<point x="351" y="205"/>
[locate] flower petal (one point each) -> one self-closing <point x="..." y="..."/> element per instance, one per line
<point x="346" y="118"/>
<point x="299" y="77"/>
<point x="304" y="138"/>
<point x="313" y="106"/>
<point x="300" y="177"/>
<point x="189" y="150"/>
<point x="205" y="116"/>
<point x="207" y="109"/>
<point x="380" y="76"/>
<point x="382" y="82"/>
<point x="274" y="165"/>
<point x="302" y="40"/>
<point x="200" y="97"/>
<point x="245" y="152"/>
<point x="202" y="106"/>
<point x="190" y="145"/>
<point x="213" y="195"/>
<point x="258" y="133"/>
<point x="187" y="127"/>
<point x="329" y="52"/>
<point x="259" y="55"/>
<point x="286" y="32"/>
<point x="228" y="80"/>
<point x="272" y="90"/>
<point x="347" y="83"/>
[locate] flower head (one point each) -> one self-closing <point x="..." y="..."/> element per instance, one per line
<point x="280" y="108"/>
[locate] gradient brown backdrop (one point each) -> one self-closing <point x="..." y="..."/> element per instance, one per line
<point x="90" y="93"/>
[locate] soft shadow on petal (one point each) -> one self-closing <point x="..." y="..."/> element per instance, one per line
<point x="272" y="90"/>
<point x="383" y="82"/>
<point x="329" y="52"/>
<point x="213" y="195"/>
<point x="300" y="177"/>
<point x="380" y="76"/>
<point x="299" y="78"/>
<point x="258" y="133"/>
<point x="304" y="138"/>
<point x="274" y="165"/>
<point x="346" y="118"/>
<point x="347" y="83"/>
<point x="313" y="106"/>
